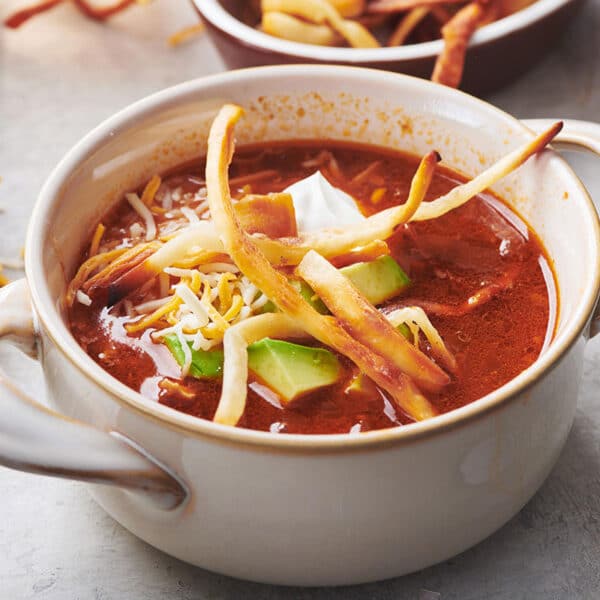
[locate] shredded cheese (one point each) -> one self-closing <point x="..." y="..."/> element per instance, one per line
<point x="95" y="244"/>
<point x="192" y="302"/>
<point x="190" y="215"/>
<point x="144" y="212"/>
<point x="150" y="190"/>
<point x="83" y="298"/>
<point x="183" y="35"/>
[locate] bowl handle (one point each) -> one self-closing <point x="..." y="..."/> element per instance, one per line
<point x="575" y="135"/>
<point x="36" y="439"/>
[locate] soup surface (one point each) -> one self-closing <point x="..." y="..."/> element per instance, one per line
<point x="479" y="272"/>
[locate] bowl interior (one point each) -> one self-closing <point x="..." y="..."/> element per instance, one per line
<point x="316" y="102"/>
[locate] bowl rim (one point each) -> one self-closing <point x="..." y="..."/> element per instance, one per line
<point x="217" y="16"/>
<point x="49" y="317"/>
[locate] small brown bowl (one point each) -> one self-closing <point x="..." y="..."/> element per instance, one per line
<point x="498" y="53"/>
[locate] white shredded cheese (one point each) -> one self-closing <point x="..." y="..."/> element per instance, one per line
<point x="136" y="230"/>
<point x="144" y="212"/>
<point x="190" y="215"/>
<point x="83" y="298"/>
<point x="193" y="303"/>
<point x="202" y="207"/>
<point x="177" y="272"/>
<point x="151" y="305"/>
<point x="167" y="199"/>
<point x="176" y="194"/>
<point x="259" y="302"/>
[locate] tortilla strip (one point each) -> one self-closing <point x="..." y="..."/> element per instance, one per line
<point x="291" y="28"/>
<point x="331" y="242"/>
<point x="393" y="6"/>
<point x="457" y="32"/>
<point x="463" y="193"/>
<point x="270" y="214"/>
<point x="416" y="315"/>
<point x="328" y="242"/>
<point x="406" y="25"/>
<point x="235" y="367"/>
<point x="366" y="324"/>
<point x="281" y="251"/>
<point x="255" y="265"/>
<point x="366" y="253"/>
<point x="101" y="13"/>
<point x="322" y="12"/>
<point x="349" y="8"/>
<point x="19" y="17"/>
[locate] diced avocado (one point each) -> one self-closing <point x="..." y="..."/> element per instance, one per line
<point x="306" y="292"/>
<point x="379" y="280"/>
<point x="206" y="364"/>
<point x="292" y="370"/>
<point x="404" y="329"/>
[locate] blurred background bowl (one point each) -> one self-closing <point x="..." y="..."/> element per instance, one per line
<point x="498" y="53"/>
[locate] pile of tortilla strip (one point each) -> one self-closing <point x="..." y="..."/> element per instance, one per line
<point x="354" y="327"/>
<point x="376" y="23"/>
<point x="352" y="23"/>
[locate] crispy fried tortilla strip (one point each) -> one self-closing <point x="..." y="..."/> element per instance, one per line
<point x="235" y="367"/>
<point x="333" y="242"/>
<point x="254" y="264"/>
<point x="366" y="253"/>
<point x="366" y="324"/>
<point x="291" y="28"/>
<point x="327" y="242"/>
<point x="281" y="251"/>
<point x="456" y="33"/>
<point x="417" y="316"/>
<point x="463" y="193"/>
<point x="393" y="6"/>
<point x="349" y="8"/>
<point x="406" y="25"/>
<point x="322" y="12"/>
<point x="16" y="19"/>
<point x="271" y="214"/>
<point x="101" y="13"/>
<point x="187" y="33"/>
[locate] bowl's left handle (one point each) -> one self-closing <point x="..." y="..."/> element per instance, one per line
<point x="36" y="439"/>
<point x="579" y="135"/>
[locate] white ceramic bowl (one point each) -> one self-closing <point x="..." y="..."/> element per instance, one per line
<point x="293" y="509"/>
<point x="498" y="52"/>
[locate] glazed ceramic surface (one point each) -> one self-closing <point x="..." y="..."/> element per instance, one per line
<point x="498" y="53"/>
<point x="292" y="509"/>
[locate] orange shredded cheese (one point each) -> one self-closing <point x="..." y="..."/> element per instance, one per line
<point x="185" y="34"/>
<point x="378" y="195"/>
<point x="95" y="244"/>
<point x="150" y="190"/>
<point x="152" y="318"/>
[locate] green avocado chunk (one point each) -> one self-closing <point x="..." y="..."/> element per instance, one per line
<point x="206" y="364"/>
<point x="404" y="329"/>
<point x="292" y="370"/>
<point x="379" y="279"/>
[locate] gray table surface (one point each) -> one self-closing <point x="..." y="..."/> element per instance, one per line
<point x="59" y="77"/>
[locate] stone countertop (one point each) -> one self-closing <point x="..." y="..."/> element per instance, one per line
<point x="60" y="76"/>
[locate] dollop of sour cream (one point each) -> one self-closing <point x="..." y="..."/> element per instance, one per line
<point x="318" y="204"/>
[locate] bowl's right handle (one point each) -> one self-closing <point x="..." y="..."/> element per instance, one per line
<point x="36" y="439"/>
<point x="576" y="135"/>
